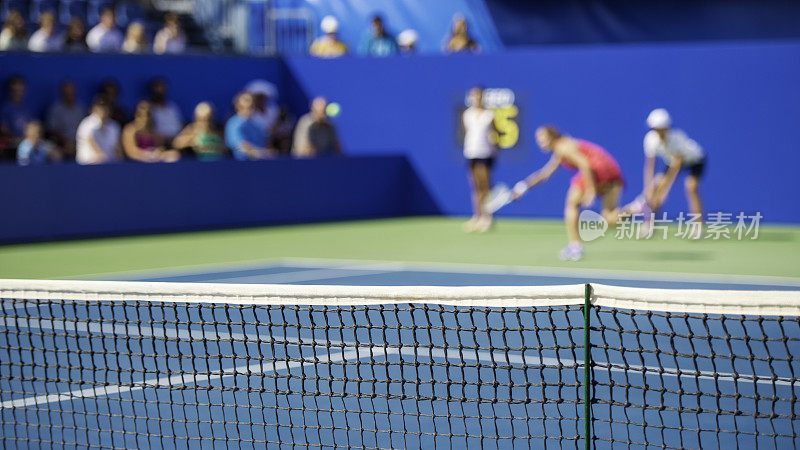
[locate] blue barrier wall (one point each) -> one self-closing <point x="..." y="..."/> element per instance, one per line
<point x="741" y="102"/>
<point x="69" y="200"/>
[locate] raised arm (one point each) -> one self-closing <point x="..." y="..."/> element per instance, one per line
<point x="186" y="138"/>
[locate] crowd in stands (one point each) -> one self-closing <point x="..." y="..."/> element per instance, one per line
<point x="380" y="42"/>
<point x="104" y="37"/>
<point x="257" y="129"/>
<point x="54" y="35"/>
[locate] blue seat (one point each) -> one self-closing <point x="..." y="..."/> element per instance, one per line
<point x="40" y="6"/>
<point x="13" y="5"/>
<point x="93" y="10"/>
<point x="72" y="8"/>
<point x="127" y="12"/>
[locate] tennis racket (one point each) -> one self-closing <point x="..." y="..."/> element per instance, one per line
<point x="500" y="195"/>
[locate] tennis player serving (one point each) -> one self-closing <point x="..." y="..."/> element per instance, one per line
<point x="598" y="175"/>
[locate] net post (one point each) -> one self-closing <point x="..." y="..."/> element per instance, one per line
<point x="587" y="361"/>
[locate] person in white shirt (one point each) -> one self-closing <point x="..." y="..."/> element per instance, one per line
<point x="678" y="152"/>
<point x="167" y="117"/>
<point x="171" y="38"/>
<point x="46" y="38"/>
<point x="105" y="37"/>
<point x="479" y="150"/>
<point x="98" y="137"/>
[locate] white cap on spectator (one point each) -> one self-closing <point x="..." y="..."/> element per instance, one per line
<point x="659" y="118"/>
<point x="329" y="24"/>
<point x="407" y="38"/>
<point x="262" y="87"/>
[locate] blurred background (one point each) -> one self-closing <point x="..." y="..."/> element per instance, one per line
<point x="279" y="112"/>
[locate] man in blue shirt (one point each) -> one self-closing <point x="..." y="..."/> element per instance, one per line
<point x="379" y="43"/>
<point x="243" y="135"/>
<point x="34" y="150"/>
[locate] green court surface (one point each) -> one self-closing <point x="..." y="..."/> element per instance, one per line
<point x="776" y="252"/>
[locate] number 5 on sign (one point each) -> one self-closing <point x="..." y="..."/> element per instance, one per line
<point x="506" y="126"/>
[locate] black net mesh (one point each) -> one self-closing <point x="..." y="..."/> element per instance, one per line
<point x="111" y="374"/>
<point x="679" y="380"/>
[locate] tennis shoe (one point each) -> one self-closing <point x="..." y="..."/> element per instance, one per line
<point x="572" y="252"/>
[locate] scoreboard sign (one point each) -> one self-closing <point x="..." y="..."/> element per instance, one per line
<point x="501" y="100"/>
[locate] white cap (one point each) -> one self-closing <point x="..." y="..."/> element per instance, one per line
<point x="262" y="87"/>
<point x="329" y="24"/>
<point x="407" y="38"/>
<point x="659" y="118"/>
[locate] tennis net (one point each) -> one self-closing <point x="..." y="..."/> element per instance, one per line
<point x="124" y="365"/>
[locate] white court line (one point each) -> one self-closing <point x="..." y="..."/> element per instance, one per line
<point x="494" y="269"/>
<point x="425" y="351"/>
<point x="295" y="276"/>
<point x="182" y="379"/>
<point x="468" y="268"/>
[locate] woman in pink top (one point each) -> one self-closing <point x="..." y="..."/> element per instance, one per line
<point x="140" y="141"/>
<point x="598" y="174"/>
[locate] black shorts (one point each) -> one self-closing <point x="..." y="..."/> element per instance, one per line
<point x="488" y="162"/>
<point x="696" y="169"/>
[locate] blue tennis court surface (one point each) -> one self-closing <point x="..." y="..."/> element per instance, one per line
<point x="376" y="273"/>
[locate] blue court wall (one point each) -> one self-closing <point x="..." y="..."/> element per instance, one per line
<point x="68" y="200"/>
<point x="740" y="101"/>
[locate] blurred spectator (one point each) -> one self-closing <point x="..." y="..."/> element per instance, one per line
<point x="135" y="39"/>
<point x="167" y="118"/>
<point x="315" y="135"/>
<point x="15" y="114"/>
<point x="201" y="135"/>
<point x="75" y="40"/>
<point x="63" y="118"/>
<point x="407" y="41"/>
<point x="460" y="40"/>
<point x="97" y="140"/>
<point x="14" y="36"/>
<point x="34" y="150"/>
<point x="46" y="38"/>
<point x="105" y="37"/>
<point x="281" y="133"/>
<point x="266" y="110"/>
<point x="242" y="135"/>
<point x="141" y="143"/>
<point x="379" y="43"/>
<point x="171" y="38"/>
<point x="328" y="45"/>
<point x="109" y="90"/>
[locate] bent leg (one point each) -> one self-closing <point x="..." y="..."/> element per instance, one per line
<point x="611" y="209"/>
